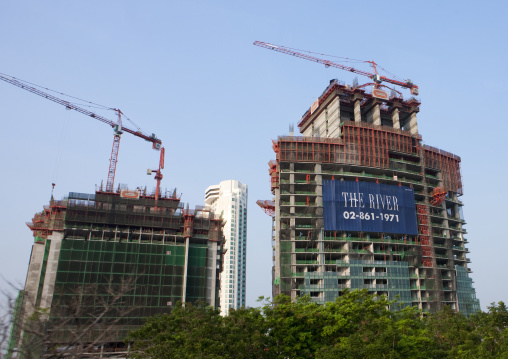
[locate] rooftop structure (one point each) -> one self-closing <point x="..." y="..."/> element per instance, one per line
<point x="123" y="248"/>
<point x="360" y="202"/>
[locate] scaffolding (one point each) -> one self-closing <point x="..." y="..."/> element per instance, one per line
<point x="153" y="253"/>
<point x="361" y="144"/>
<point x="449" y="166"/>
<point x="307" y="256"/>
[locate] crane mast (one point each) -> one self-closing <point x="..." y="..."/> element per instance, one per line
<point x="114" y="153"/>
<point x="117" y="127"/>
<point x="376" y="77"/>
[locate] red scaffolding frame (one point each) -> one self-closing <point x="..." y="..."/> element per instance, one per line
<point x="361" y="144"/>
<point x="448" y="164"/>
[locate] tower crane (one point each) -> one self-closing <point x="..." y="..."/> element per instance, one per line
<point x="117" y="126"/>
<point x="376" y="77"/>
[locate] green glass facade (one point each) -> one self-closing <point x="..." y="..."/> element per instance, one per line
<point x="107" y="261"/>
<point x="381" y="277"/>
<point x="468" y="303"/>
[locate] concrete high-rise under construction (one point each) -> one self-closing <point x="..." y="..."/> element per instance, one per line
<point x="229" y="199"/>
<point x="103" y="262"/>
<point x="360" y="202"/>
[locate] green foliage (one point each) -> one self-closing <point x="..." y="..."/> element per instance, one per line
<point x="200" y="332"/>
<point x="362" y="326"/>
<point x="293" y="328"/>
<point x="356" y="325"/>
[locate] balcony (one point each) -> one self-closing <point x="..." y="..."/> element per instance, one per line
<point x="335" y="250"/>
<point x="306" y="262"/>
<point x="305" y="204"/>
<point x="301" y="226"/>
<point x="309" y="193"/>
<point x="404" y="161"/>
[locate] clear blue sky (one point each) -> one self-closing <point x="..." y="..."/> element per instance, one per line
<point x="187" y="71"/>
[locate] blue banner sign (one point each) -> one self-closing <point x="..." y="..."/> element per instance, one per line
<point x="368" y="207"/>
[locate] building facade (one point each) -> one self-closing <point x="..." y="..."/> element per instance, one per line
<point x="229" y="199"/>
<point x="119" y="257"/>
<point x="360" y="202"/>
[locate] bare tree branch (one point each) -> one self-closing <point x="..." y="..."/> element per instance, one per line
<point x="75" y="327"/>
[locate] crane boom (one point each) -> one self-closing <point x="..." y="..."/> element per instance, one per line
<point x="374" y="76"/>
<point x="156" y="142"/>
<point x="117" y="126"/>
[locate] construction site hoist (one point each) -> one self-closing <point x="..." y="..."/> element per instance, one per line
<point x="117" y="126"/>
<point x="376" y="77"/>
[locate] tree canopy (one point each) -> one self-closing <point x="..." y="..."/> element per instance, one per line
<point x="356" y="325"/>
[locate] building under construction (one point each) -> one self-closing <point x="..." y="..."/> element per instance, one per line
<point x="103" y="262"/>
<point x="360" y="202"/>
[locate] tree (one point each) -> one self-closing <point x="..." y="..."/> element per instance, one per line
<point x="74" y="325"/>
<point x="487" y="334"/>
<point x="294" y="328"/>
<point x="359" y="325"/>
<point x="7" y="315"/>
<point x="356" y="325"/>
<point x="450" y="331"/>
<point x="199" y="331"/>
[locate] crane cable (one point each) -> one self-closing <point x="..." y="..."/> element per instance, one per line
<point x="346" y="59"/>
<point x="61" y="143"/>
<point x="89" y="104"/>
<point x="60" y="93"/>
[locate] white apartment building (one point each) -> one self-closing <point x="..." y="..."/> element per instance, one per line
<point x="229" y="198"/>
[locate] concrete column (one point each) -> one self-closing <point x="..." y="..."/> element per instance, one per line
<point x="395" y="118"/>
<point x="319" y="189"/>
<point x="358" y="111"/>
<point x="376" y="115"/>
<point x="413" y="125"/>
<point x="456" y="210"/>
<point x="32" y="281"/>
<point x="276" y="233"/>
<point x="211" y="271"/>
<point x="334" y="128"/>
<point x="338" y="113"/>
<point x="51" y="267"/>
<point x="185" y="266"/>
